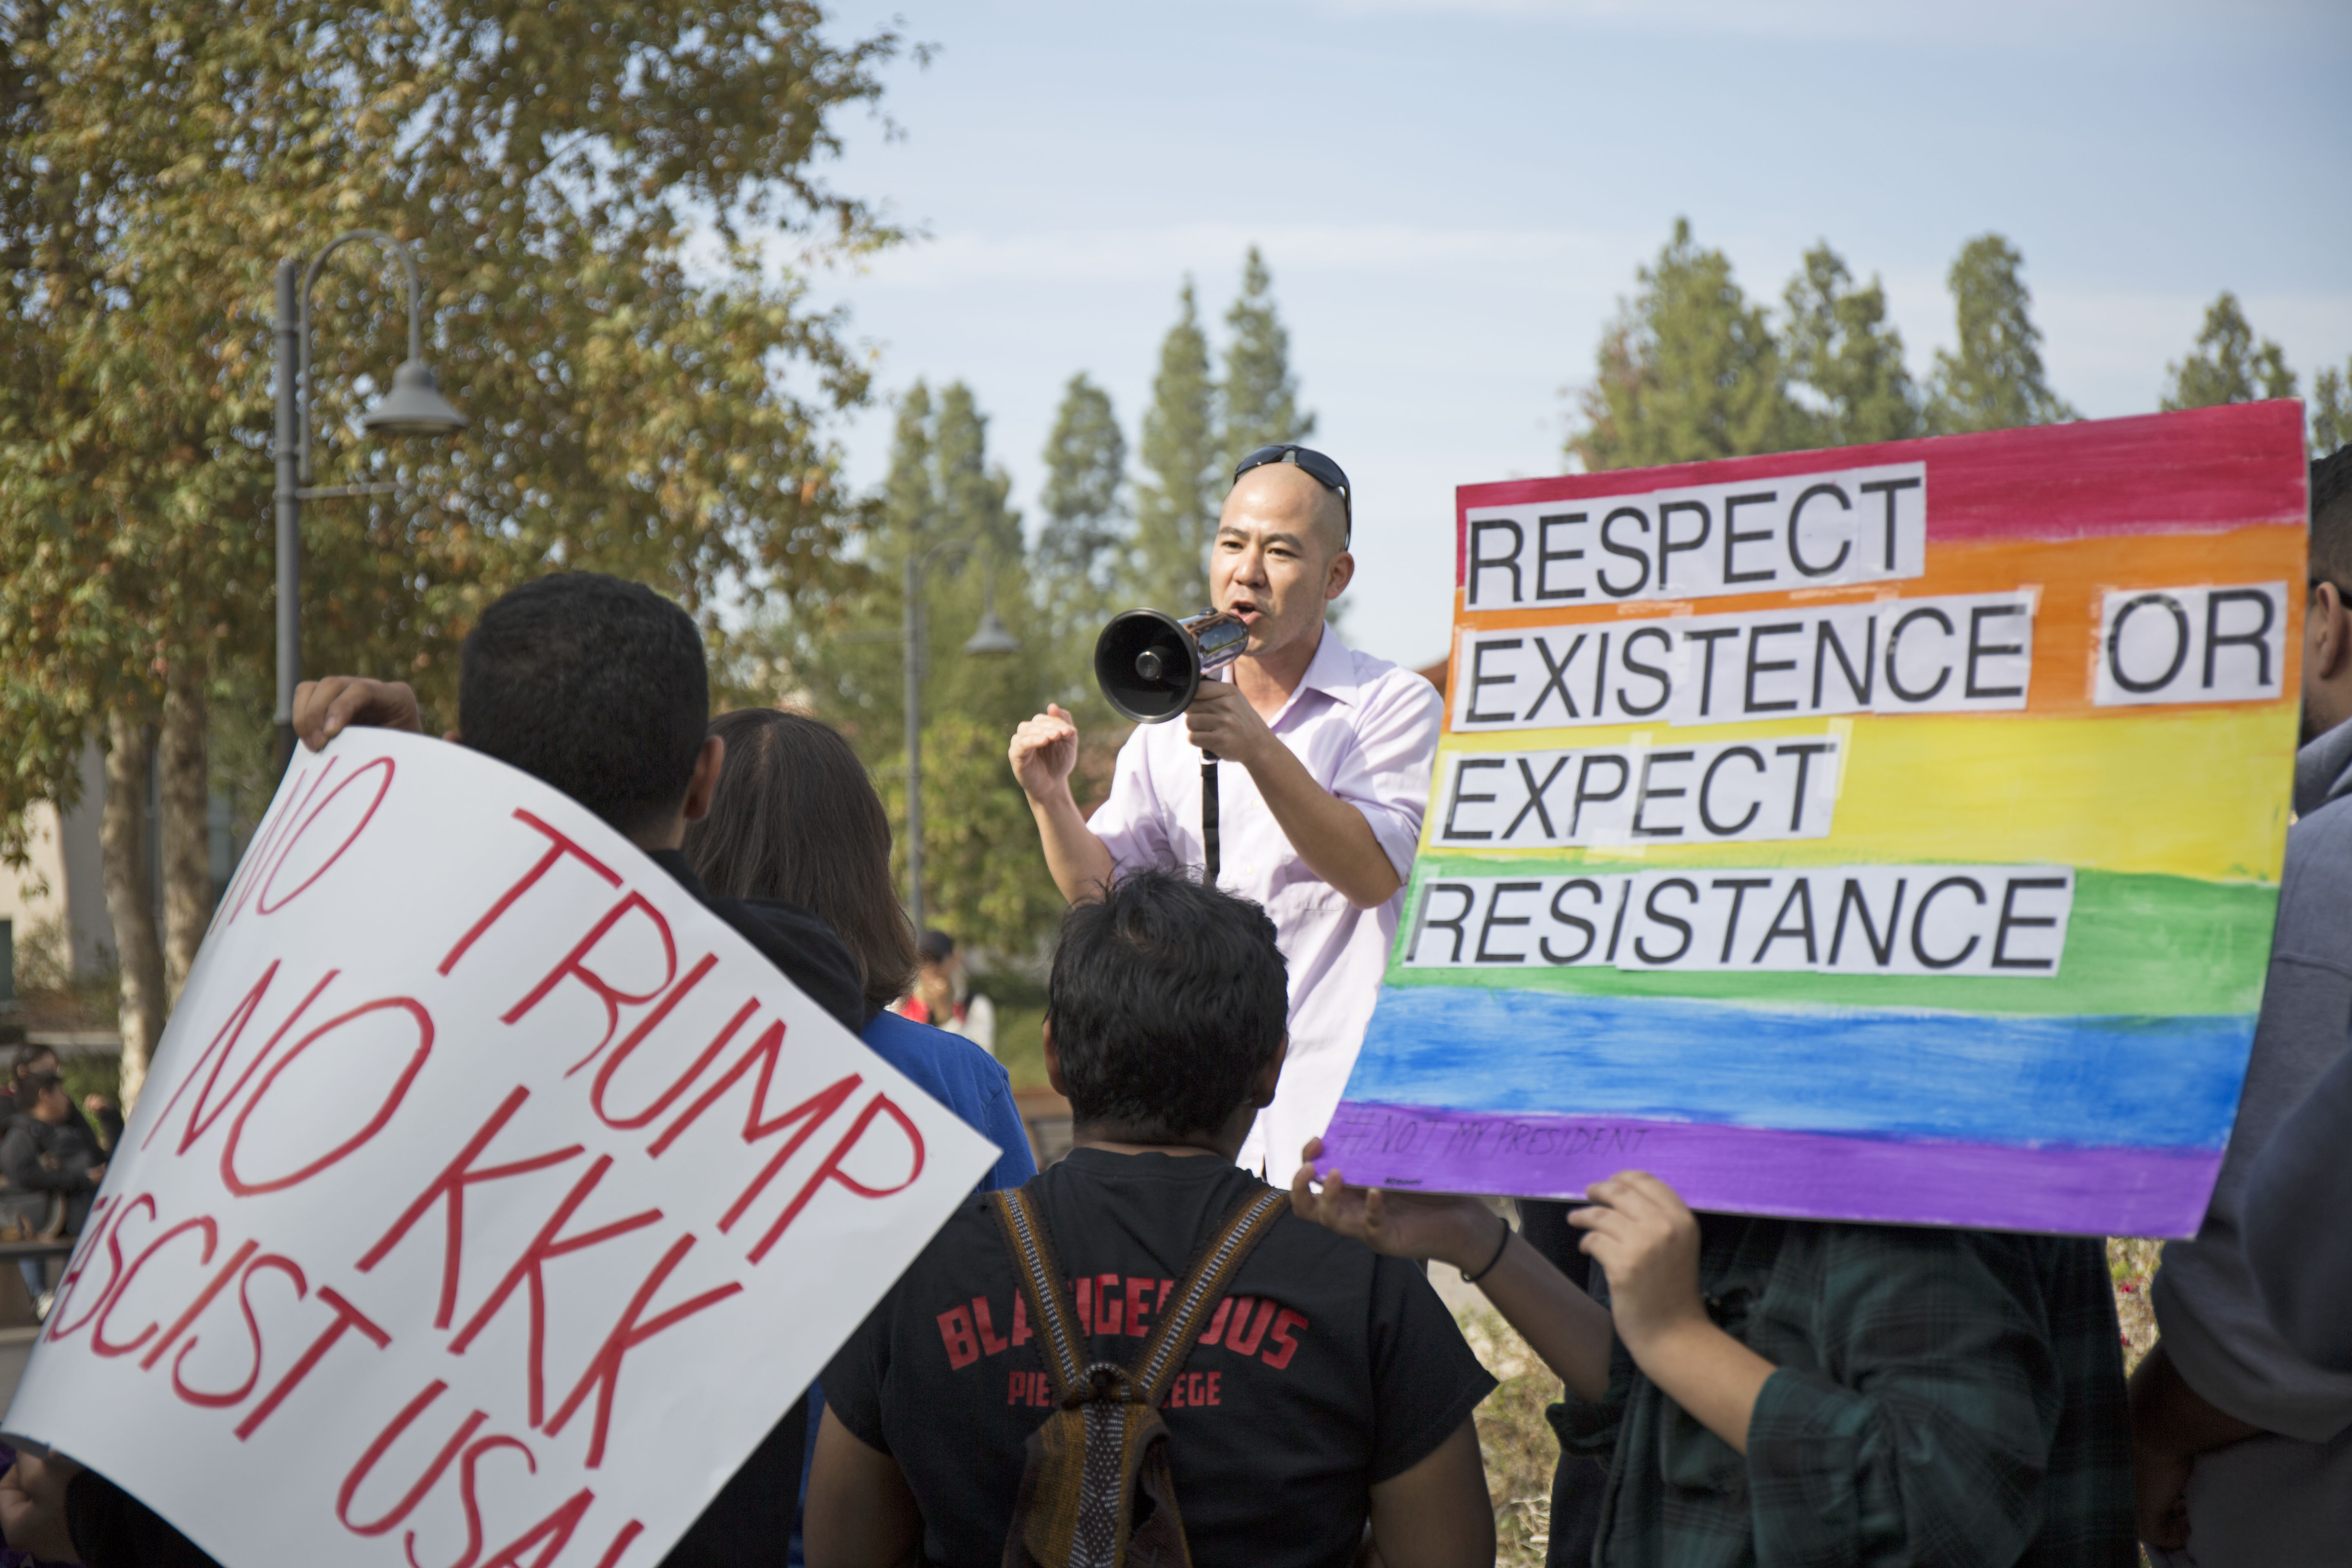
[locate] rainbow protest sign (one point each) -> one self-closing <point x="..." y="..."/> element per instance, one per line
<point x="1891" y="833"/>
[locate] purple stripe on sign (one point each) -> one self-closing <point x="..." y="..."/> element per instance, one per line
<point x="1745" y="1170"/>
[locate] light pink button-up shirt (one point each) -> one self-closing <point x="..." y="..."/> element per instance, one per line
<point x="1367" y="731"/>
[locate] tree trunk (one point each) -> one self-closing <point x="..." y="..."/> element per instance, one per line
<point x="185" y="778"/>
<point x="129" y="903"/>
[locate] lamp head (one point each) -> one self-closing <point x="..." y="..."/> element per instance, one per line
<point x="992" y="638"/>
<point x="414" y="406"/>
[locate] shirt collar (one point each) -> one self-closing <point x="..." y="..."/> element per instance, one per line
<point x="1332" y="670"/>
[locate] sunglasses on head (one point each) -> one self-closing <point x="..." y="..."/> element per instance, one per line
<point x="1314" y="466"/>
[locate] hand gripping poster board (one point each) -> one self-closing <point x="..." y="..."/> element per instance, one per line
<point x="1885" y="834"/>
<point x="490" y="1199"/>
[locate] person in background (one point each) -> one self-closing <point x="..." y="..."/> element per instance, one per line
<point x="2242" y="1442"/>
<point x="47" y="1150"/>
<point x="1326" y="754"/>
<point x="794" y="817"/>
<point x="944" y="996"/>
<point x="98" y="1116"/>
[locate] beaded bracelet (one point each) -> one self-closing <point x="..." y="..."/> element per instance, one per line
<point x="1500" y="1248"/>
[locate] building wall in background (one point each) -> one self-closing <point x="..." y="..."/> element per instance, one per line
<point x="64" y="883"/>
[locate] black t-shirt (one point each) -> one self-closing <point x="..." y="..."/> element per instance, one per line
<point x="1326" y="1369"/>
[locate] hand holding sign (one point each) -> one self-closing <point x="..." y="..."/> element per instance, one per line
<point x="489" y="1200"/>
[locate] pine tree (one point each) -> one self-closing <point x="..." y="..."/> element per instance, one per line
<point x="1177" y="505"/>
<point x="2228" y="366"/>
<point x="940" y="490"/>
<point x="971" y="495"/>
<point x="1996" y="381"/>
<point x="1085" y="535"/>
<point x="909" y="497"/>
<point x="2331" y="411"/>
<point x="1688" y="369"/>
<point x="1260" y="395"/>
<point x="1840" y="346"/>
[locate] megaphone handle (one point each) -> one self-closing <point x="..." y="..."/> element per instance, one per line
<point x="1208" y="816"/>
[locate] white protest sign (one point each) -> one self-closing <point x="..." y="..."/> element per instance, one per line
<point x="490" y="1199"/>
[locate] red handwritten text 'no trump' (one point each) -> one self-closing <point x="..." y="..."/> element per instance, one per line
<point x="490" y="1199"/>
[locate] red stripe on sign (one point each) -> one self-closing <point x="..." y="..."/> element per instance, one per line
<point x="2191" y="473"/>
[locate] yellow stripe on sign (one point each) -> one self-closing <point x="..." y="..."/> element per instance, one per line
<point x="2190" y="794"/>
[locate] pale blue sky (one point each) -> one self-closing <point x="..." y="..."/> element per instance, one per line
<point x="1453" y="196"/>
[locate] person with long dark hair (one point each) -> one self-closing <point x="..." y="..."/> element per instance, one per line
<point x="794" y="820"/>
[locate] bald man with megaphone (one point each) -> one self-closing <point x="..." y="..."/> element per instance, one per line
<point x="1327" y="754"/>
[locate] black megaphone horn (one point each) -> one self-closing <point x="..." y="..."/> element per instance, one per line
<point x="1150" y="665"/>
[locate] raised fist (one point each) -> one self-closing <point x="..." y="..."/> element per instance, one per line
<point x="1044" y="749"/>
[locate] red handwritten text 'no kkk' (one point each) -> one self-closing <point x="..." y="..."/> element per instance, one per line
<point x="147" y="1282"/>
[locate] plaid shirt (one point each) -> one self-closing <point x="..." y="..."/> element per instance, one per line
<point x="1943" y="1396"/>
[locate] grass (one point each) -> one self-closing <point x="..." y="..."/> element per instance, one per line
<point x="1020" y="1043"/>
<point x="93" y="1072"/>
<point x="1514" y="1438"/>
<point x="2131" y="1265"/>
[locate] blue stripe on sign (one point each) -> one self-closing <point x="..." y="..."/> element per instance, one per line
<point x="2095" y="1081"/>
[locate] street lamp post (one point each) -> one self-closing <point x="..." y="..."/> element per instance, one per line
<point x="414" y="406"/>
<point x="990" y="638"/>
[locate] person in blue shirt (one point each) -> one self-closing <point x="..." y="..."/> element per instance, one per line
<point x="794" y="819"/>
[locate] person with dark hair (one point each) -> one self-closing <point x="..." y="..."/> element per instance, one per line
<point x="944" y="996"/>
<point x="597" y="687"/>
<point x="46" y="1150"/>
<point x="1331" y="1388"/>
<point x="24" y="1060"/>
<point x="2241" y="1435"/>
<point x="794" y="818"/>
<point x="96" y="1115"/>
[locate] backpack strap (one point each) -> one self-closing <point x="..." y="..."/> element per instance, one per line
<point x="1096" y="1489"/>
<point x="1050" y="1309"/>
<point x="1173" y="1337"/>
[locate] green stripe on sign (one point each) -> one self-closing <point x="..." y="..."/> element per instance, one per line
<point x="2136" y="945"/>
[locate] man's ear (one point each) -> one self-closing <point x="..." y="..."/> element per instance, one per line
<point x="704" y="782"/>
<point x="1053" y="1059"/>
<point x="2323" y="647"/>
<point x="1269" y="1076"/>
<point x="1341" y="573"/>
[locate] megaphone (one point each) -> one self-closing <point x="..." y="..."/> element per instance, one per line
<point x="1150" y="665"/>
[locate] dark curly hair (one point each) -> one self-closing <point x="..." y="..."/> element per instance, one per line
<point x="591" y="684"/>
<point x="1167" y="998"/>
